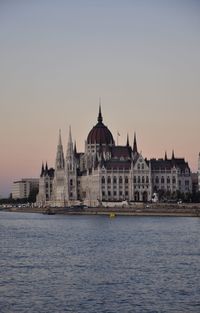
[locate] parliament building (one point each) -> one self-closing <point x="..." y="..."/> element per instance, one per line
<point x="106" y="172"/>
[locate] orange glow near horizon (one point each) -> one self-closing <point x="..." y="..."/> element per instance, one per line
<point x="56" y="59"/>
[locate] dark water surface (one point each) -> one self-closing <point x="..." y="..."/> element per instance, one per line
<point x="97" y="264"/>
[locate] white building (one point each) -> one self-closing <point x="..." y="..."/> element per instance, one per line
<point x="21" y="189"/>
<point x="105" y="172"/>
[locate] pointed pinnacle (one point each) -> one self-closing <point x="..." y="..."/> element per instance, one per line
<point x="127" y="141"/>
<point x="70" y="134"/>
<point x="59" y="138"/>
<point x="75" y="151"/>
<point x="135" y="143"/>
<point x="100" y="118"/>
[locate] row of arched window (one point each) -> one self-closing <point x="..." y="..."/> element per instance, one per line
<point x="114" y="180"/>
<point x="162" y="180"/>
<point x="136" y="179"/>
<point x="114" y="193"/>
<point x="139" y="179"/>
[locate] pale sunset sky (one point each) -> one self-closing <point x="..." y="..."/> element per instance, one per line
<point x="57" y="57"/>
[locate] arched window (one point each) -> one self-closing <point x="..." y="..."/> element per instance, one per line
<point x="108" y="180"/>
<point x="157" y="180"/>
<point x="143" y="179"/>
<point x="138" y="166"/>
<point x="71" y="182"/>
<point x="137" y="196"/>
<point x="147" y="179"/>
<point x="142" y="166"/>
<point x="120" y="180"/>
<point x="162" y="180"/>
<point x="134" y="179"/>
<point x="174" y="180"/>
<point x="138" y="179"/>
<point x="168" y="180"/>
<point x="103" y="180"/>
<point x="114" y="180"/>
<point x="126" y="180"/>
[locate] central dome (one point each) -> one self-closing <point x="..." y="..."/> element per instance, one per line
<point x="100" y="134"/>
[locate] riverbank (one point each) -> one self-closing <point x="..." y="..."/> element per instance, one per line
<point x="139" y="209"/>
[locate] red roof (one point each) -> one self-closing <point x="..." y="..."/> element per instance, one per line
<point x="121" y="152"/>
<point x="117" y="165"/>
<point x="100" y="134"/>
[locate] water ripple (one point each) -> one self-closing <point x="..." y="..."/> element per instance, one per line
<point x="98" y="265"/>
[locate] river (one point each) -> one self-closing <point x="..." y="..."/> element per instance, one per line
<point x="97" y="264"/>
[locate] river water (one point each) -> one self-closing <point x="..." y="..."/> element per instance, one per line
<point x="97" y="264"/>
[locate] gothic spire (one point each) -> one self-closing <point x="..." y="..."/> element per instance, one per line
<point x="135" y="144"/>
<point x="100" y="118"/>
<point x="75" y="150"/>
<point x="70" y="151"/>
<point x="127" y="141"/>
<point x="165" y="155"/>
<point x="173" y="155"/>
<point x="59" y="139"/>
<point x="46" y="168"/>
<point x="70" y="135"/>
<point x="60" y="154"/>
<point x="42" y="170"/>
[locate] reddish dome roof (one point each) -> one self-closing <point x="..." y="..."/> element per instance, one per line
<point x="100" y="134"/>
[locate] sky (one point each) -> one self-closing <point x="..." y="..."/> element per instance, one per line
<point x="58" y="57"/>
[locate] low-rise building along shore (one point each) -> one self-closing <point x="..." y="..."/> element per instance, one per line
<point x="21" y="189"/>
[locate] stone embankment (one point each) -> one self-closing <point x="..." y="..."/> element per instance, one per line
<point x="137" y="209"/>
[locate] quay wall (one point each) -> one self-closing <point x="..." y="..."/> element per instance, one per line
<point x="141" y="209"/>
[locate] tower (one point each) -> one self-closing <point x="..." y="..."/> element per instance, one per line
<point x="127" y="141"/>
<point x="71" y="170"/>
<point x="59" y="155"/>
<point x="41" y="196"/>
<point x="45" y="185"/>
<point x="59" y="178"/>
<point x="70" y="159"/>
<point x="135" y="144"/>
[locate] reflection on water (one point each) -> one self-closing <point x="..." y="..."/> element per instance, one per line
<point x="95" y="264"/>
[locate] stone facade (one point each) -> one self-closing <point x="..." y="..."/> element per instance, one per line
<point x="46" y="183"/>
<point x="171" y="175"/>
<point x="106" y="172"/>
